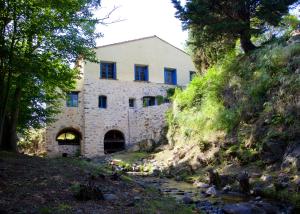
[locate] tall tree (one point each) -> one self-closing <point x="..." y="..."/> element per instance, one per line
<point x="239" y="19"/>
<point x="39" y="39"/>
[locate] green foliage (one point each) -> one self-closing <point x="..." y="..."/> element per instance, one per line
<point x="159" y="99"/>
<point x="39" y="41"/>
<point x="224" y="22"/>
<point x="283" y="195"/>
<point x="248" y="96"/>
<point x="33" y="142"/>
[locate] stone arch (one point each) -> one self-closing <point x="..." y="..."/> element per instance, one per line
<point x="114" y="141"/>
<point x="69" y="136"/>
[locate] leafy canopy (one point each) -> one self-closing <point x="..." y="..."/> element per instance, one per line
<point x="227" y="20"/>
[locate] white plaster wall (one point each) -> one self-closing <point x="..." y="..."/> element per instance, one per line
<point x="152" y="51"/>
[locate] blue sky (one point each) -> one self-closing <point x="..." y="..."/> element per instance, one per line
<point x="141" y="18"/>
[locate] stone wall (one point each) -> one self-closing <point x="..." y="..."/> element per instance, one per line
<point x="136" y="123"/>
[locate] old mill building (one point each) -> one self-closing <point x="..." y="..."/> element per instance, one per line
<point x="121" y="100"/>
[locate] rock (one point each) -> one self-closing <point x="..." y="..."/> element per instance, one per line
<point x="137" y="198"/>
<point x="227" y="188"/>
<point x="266" y="178"/>
<point x="211" y="191"/>
<point x="280" y="185"/>
<point x="88" y="192"/>
<point x="187" y="200"/>
<point x="200" y="184"/>
<point x="156" y="172"/>
<point x="258" y="190"/>
<point x="242" y="208"/>
<point x="146" y="145"/>
<point x="291" y="158"/>
<point x="273" y="151"/>
<point x="268" y="208"/>
<point x="243" y="179"/>
<point x="134" y="148"/>
<point x="110" y="197"/>
<point x="214" y="178"/>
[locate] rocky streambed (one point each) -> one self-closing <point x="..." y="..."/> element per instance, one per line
<point x="207" y="199"/>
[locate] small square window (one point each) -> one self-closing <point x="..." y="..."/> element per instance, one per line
<point x="149" y="101"/>
<point x="108" y="70"/>
<point x="131" y="102"/>
<point x="102" y="102"/>
<point x="141" y="73"/>
<point x="72" y="99"/>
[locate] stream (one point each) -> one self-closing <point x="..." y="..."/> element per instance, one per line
<point x="230" y="202"/>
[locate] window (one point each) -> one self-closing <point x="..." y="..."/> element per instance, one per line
<point x="108" y="70"/>
<point x="68" y="136"/>
<point x="170" y="76"/>
<point x="141" y="73"/>
<point x="131" y="102"/>
<point x="192" y="75"/>
<point x="149" y="101"/>
<point x="102" y="102"/>
<point x="72" y="99"/>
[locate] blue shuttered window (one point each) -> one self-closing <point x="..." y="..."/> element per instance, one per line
<point x="72" y="99"/>
<point x="170" y="76"/>
<point x="102" y="102"/>
<point x="108" y="70"/>
<point x="141" y="73"/>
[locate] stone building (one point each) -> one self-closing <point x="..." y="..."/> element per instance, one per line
<point x="121" y="100"/>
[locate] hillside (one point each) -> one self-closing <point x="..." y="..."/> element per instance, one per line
<point x="243" y="114"/>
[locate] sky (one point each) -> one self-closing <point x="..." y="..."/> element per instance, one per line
<point x="140" y="18"/>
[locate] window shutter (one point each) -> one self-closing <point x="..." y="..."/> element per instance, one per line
<point x="174" y="77"/>
<point x="165" y="72"/>
<point x="99" y="102"/>
<point x="146" y="74"/>
<point x="114" y="71"/>
<point x="135" y="73"/>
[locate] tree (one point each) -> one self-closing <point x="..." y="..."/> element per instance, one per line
<point x="239" y="19"/>
<point x="39" y="39"/>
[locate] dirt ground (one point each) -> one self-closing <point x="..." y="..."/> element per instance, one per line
<point x="40" y="185"/>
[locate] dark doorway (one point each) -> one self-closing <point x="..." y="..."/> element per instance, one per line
<point x="114" y="141"/>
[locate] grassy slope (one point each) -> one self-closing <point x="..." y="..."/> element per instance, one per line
<point x="240" y="104"/>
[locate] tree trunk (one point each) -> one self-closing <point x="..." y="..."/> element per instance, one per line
<point x="246" y="43"/>
<point x="6" y="133"/>
<point x="13" y="138"/>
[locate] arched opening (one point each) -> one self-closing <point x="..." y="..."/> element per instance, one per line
<point x="68" y="136"/>
<point x="114" y="141"/>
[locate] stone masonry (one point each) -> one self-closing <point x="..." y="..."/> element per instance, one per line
<point x="137" y="123"/>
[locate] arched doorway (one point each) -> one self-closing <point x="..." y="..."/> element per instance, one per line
<point x="114" y="141"/>
<point x="68" y="136"/>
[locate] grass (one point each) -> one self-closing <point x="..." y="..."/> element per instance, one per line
<point x="158" y="204"/>
<point x="130" y="157"/>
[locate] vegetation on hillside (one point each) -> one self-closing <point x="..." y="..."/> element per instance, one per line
<point x="246" y="100"/>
